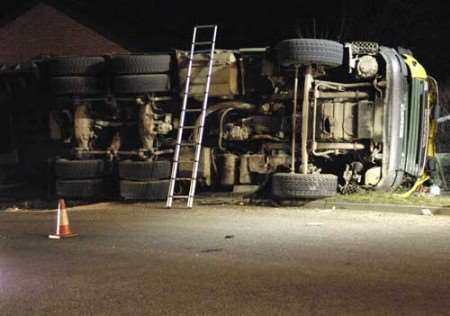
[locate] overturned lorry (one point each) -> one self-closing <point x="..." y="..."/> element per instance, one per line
<point x="303" y="119"/>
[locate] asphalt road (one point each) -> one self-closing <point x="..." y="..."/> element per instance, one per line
<point x="223" y="260"/>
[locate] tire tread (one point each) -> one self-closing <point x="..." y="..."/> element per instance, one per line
<point x="292" y="186"/>
<point x="306" y="51"/>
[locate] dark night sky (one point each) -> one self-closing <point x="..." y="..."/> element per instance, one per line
<point x="423" y="26"/>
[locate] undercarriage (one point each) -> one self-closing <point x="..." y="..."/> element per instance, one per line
<point x="304" y="119"/>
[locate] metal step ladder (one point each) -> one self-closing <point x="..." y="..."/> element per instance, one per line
<point x="197" y="143"/>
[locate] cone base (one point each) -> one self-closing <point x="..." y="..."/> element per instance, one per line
<point x="62" y="236"/>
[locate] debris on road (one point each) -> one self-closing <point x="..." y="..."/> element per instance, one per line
<point x="12" y="209"/>
<point x="426" y="212"/>
<point x="435" y="190"/>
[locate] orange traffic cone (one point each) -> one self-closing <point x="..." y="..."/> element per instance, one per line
<point x="62" y="223"/>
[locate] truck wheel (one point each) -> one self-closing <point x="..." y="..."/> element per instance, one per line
<point x="144" y="190"/>
<point x="303" y="186"/>
<point x="140" y="64"/>
<point x="76" y="86"/>
<point x="80" y="189"/>
<point x="76" y="65"/>
<point x="132" y="84"/>
<point x="307" y="51"/>
<point x="81" y="169"/>
<point x="144" y="170"/>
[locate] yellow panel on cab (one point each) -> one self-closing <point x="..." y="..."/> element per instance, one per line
<point x="417" y="70"/>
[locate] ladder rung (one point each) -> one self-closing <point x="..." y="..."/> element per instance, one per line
<point x="193" y="110"/>
<point x="180" y="196"/>
<point x="184" y="179"/>
<point x="207" y="51"/>
<point x="203" y="43"/>
<point x="202" y="51"/>
<point x="186" y="161"/>
<point x="210" y="26"/>
<point x="190" y="127"/>
<point x="189" y="144"/>
<point x="190" y="94"/>
<point x="197" y="95"/>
